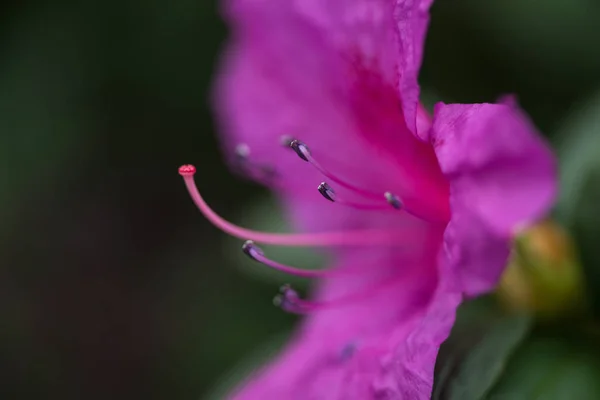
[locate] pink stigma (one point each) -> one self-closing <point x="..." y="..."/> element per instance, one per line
<point x="187" y="170"/>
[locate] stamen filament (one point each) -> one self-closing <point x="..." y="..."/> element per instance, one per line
<point x="304" y="153"/>
<point x="256" y="253"/>
<point x="328" y="193"/>
<point x="361" y="206"/>
<point x="358" y="237"/>
<point x="290" y="301"/>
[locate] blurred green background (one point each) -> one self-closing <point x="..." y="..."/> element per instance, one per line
<point x="112" y="285"/>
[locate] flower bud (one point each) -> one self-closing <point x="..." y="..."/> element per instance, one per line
<point x="544" y="275"/>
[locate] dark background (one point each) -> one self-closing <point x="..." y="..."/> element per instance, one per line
<point x="112" y="285"/>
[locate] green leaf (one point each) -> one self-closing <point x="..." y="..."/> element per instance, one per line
<point x="579" y="154"/>
<point x="578" y="151"/>
<point x="472" y="360"/>
<point x="525" y="38"/>
<point x="549" y="368"/>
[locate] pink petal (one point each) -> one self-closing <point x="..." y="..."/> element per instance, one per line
<point x="329" y="79"/>
<point x="502" y="175"/>
<point x="412" y="19"/>
<point x="385" y="345"/>
<point x="414" y="361"/>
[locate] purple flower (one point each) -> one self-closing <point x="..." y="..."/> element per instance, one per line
<point x="417" y="211"/>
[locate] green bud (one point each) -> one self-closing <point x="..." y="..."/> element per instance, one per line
<point x="544" y="275"/>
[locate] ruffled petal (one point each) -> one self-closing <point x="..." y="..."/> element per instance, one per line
<point x="412" y="20"/>
<point x="389" y="35"/>
<point x="410" y="371"/>
<point x="502" y="176"/>
<point x="383" y="345"/>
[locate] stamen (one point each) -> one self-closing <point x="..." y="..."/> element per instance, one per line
<point x="328" y="192"/>
<point x="242" y="151"/>
<point x="252" y="250"/>
<point x="256" y="253"/>
<point x="259" y="172"/>
<point x="304" y="153"/>
<point x="364" y="237"/>
<point x="301" y="149"/>
<point x="265" y="174"/>
<point x="393" y="200"/>
<point x="289" y="300"/>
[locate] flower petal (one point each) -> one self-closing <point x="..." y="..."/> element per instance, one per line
<point x="323" y="80"/>
<point x="383" y="345"/>
<point x="502" y="175"/>
<point x="414" y="361"/>
<point x="412" y="19"/>
<point x="396" y="45"/>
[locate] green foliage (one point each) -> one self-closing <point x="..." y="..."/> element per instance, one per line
<point x="475" y="355"/>
<point x="579" y="154"/>
<point x="550" y="367"/>
<point x="547" y="44"/>
<point x="491" y="355"/>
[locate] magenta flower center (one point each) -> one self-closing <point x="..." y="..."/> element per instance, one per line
<point x="381" y="125"/>
<point x="432" y="210"/>
<point x="411" y="183"/>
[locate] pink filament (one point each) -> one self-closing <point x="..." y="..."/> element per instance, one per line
<point x="342" y="182"/>
<point x="257" y="255"/>
<point x="294" y="304"/>
<point x="362" y="206"/>
<point x="363" y="237"/>
<point x="364" y="192"/>
<point x="303" y="273"/>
